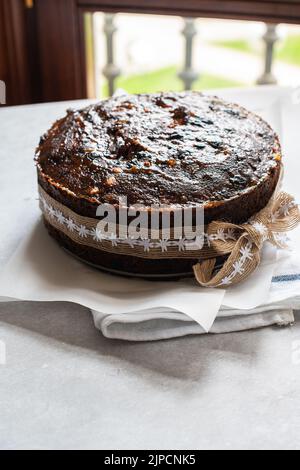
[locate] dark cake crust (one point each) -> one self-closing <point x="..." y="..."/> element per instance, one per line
<point x="185" y="149"/>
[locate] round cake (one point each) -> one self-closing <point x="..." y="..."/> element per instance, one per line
<point x="184" y="150"/>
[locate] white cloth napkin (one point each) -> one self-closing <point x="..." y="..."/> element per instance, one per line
<point x="159" y="324"/>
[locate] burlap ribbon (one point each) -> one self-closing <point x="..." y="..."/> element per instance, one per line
<point x="240" y="245"/>
<point x="278" y="217"/>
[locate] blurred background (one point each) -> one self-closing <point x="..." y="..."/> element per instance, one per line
<point x="52" y="50"/>
<point x="151" y="53"/>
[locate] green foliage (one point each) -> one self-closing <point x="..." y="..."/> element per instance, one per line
<point x="241" y="45"/>
<point x="287" y="50"/>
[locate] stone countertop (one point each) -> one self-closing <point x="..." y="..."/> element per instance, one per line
<point x="64" y="386"/>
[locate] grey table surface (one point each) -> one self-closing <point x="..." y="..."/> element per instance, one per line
<point x="64" y="386"/>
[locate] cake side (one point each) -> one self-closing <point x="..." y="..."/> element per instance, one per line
<point x="236" y="210"/>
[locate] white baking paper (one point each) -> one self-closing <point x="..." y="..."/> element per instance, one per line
<point x="40" y="270"/>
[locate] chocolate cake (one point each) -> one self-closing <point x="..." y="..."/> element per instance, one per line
<point x="175" y="149"/>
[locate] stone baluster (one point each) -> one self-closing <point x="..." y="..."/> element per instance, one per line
<point x="270" y="37"/>
<point x="188" y="74"/>
<point x="111" y="71"/>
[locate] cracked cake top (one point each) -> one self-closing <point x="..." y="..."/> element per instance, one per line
<point x="168" y="148"/>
